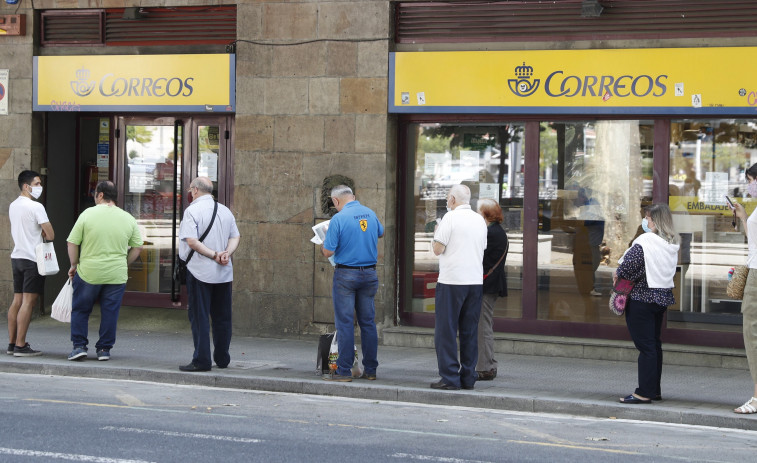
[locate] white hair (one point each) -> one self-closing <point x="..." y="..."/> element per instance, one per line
<point x="461" y="193"/>
<point x="341" y="190"/>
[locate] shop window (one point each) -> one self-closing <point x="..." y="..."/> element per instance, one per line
<point x="490" y="160"/>
<point x="594" y="179"/>
<point x="707" y="162"/>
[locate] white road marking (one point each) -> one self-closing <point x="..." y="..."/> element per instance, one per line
<point x="183" y="434"/>
<point x="433" y="458"/>
<point x="130" y="400"/>
<point x="66" y="456"/>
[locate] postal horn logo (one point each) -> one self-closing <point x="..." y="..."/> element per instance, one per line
<point x="522" y="85"/>
<point x="364" y="225"/>
<point x="82" y="86"/>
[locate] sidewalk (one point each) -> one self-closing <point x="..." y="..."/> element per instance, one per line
<point x="692" y="395"/>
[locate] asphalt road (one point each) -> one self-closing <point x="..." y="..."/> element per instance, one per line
<point x="48" y="419"/>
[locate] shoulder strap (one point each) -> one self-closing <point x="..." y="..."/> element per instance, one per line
<point x="507" y="246"/>
<point x="207" y="230"/>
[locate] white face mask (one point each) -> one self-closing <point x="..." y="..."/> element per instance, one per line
<point x="751" y="188"/>
<point x="36" y="192"/>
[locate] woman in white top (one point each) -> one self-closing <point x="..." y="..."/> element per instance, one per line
<point x="749" y="302"/>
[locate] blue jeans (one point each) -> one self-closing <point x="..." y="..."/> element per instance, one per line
<point x="353" y="292"/>
<point x="85" y="295"/>
<point x="644" y="321"/>
<point x="458" y="308"/>
<point x="209" y="302"/>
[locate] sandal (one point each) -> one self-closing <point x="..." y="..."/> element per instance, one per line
<point x="632" y="399"/>
<point x="747" y="408"/>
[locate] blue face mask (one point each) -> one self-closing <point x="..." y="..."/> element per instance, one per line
<point x="645" y="225"/>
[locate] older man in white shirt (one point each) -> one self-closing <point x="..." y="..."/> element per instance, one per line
<point x="459" y="241"/>
<point x="209" y="274"/>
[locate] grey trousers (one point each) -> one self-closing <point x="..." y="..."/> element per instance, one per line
<point x="749" y="311"/>
<point x="486" y="360"/>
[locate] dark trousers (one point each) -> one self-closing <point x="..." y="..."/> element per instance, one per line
<point x="85" y="296"/>
<point x="644" y="321"/>
<point x="210" y="303"/>
<point x="458" y="308"/>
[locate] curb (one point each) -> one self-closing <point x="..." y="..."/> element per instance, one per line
<point x="681" y="413"/>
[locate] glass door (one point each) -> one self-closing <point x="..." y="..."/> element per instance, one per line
<point x="150" y="189"/>
<point x="210" y="141"/>
<point x="157" y="159"/>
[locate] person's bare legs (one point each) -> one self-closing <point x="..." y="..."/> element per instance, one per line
<point x="19" y="317"/>
<point x="12" y="314"/>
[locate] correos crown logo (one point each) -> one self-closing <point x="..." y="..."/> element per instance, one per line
<point x="522" y="84"/>
<point x="82" y="86"/>
<point x="558" y="85"/>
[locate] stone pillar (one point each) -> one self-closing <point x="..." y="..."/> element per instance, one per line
<point x="311" y="102"/>
<point x="21" y="142"/>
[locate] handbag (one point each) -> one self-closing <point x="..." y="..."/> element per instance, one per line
<point x="47" y="261"/>
<point x="322" y="366"/>
<point x="62" y="304"/>
<point x="180" y="266"/>
<point x="736" y="284"/>
<point x="619" y="297"/>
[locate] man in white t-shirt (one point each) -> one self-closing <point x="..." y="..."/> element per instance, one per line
<point x="29" y="225"/>
<point x="459" y="241"/>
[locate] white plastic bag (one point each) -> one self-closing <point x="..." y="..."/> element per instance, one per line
<point x="62" y="305"/>
<point x="334" y="355"/>
<point x="47" y="261"/>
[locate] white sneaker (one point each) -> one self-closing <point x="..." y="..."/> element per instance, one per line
<point x="595" y="293"/>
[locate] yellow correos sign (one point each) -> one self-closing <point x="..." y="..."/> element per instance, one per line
<point x="622" y="81"/>
<point x="135" y="83"/>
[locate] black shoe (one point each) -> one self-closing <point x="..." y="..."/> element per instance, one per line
<point x="25" y="351"/>
<point x="632" y="399"/>
<point x="468" y="387"/>
<point x="444" y="386"/>
<point x="11" y="346"/>
<point x="193" y="367"/>
<point x="368" y="376"/>
<point x="487" y="375"/>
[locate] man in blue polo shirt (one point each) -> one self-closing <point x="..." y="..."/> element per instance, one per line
<point x="352" y="238"/>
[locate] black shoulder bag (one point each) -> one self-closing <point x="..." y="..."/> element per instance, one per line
<point x="180" y="268"/>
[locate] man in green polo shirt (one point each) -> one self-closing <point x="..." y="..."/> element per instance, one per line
<point x="98" y="248"/>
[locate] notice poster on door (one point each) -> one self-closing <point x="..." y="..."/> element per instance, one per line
<point x="209" y="149"/>
<point x="208" y="166"/>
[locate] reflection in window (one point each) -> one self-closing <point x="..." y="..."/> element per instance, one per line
<point x="489" y="160"/>
<point x="707" y="162"/>
<point x="594" y="178"/>
<point x="149" y="197"/>
<point x="208" y="153"/>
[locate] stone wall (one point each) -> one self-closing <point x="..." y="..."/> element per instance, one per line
<point x="311" y="102"/>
